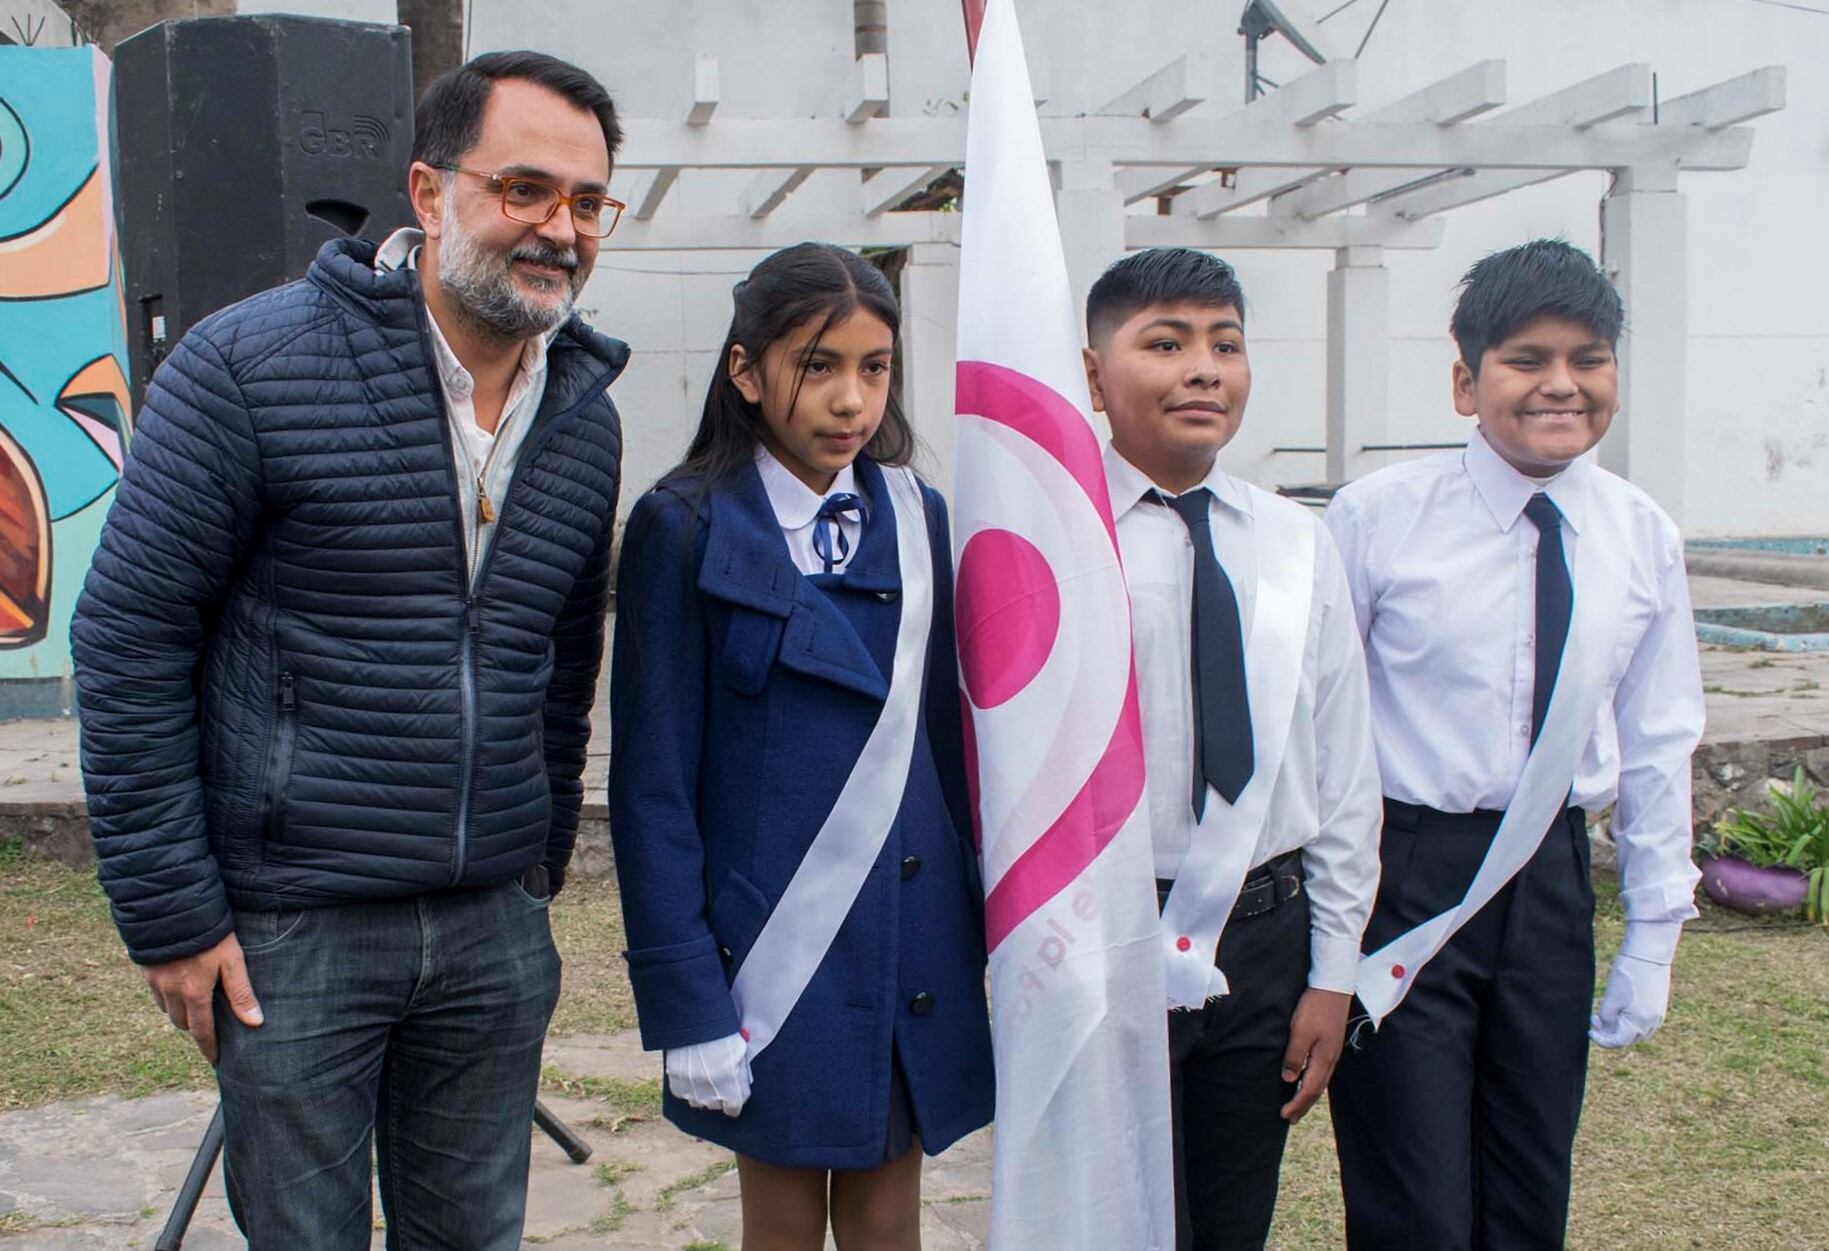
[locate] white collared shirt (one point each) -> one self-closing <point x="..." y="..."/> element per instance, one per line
<point x="484" y="459"/>
<point x="1326" y="801"/>
<point x="1442" y="565"/>
<point x="796" y="505"/>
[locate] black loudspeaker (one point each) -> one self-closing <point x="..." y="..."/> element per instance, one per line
<point x="245" y="143"/>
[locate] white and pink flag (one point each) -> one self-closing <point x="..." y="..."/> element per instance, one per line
<point x="1083" y="1132"/>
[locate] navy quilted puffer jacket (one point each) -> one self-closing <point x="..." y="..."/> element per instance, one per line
<point x="290" y="697"/>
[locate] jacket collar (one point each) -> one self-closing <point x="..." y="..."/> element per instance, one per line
<point x="391" y="299"/>
<point x="747" y="562"/>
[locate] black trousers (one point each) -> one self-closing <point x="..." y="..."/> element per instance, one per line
<point x="1456" y="1120"/>
<point x="1226" y="1076"/>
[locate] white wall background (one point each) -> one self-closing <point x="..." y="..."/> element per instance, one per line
<point x="1758" y="365"/>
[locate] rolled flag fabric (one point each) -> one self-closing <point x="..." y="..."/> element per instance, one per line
<point x="1083" y="1136"/>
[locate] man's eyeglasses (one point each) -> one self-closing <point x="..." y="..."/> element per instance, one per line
<point x="533" y="202"/>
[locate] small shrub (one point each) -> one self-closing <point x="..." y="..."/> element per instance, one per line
<point x="1795" y="834"/>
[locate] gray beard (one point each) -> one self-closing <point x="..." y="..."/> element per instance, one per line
<point x="483" y="289"/>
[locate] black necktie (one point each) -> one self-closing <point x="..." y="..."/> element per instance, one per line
<point x="1555" y="604"/>
<point x="1222" y="711"/>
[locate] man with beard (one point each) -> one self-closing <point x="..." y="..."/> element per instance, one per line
<point x="336" y="657"/>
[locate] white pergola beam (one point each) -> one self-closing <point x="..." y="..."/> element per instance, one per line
<point x="1477" y="89"/>
<point x="704" y="90"/>
<point x="866" y="90"/>
<point x="889" y="187"/>
<point x="712" y="233"/>
<point x="681" y="233"/>
<point x="1168" y="93"/>
<point x="769" y="188"/>
<point x="1248" y="187"/>
<point x="743" y="143"/>
<point x="1325" y="91"/>
<point x="1623" y="92"/>
<point x="1728" y="103"/>
<point x="1235" y="231"/>
<point x="1142" y="183"/>
<point x="648" y="203"/>
<point x="1321" y="93"/>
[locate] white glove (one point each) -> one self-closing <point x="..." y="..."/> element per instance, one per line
<point x="712" y="1074"/>
<point x="1638" y="988"/>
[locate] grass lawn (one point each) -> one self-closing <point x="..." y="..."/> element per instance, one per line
<point x="1713" y="1136"/>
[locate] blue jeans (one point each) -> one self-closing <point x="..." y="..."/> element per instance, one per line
<point x="414" y="1025"/>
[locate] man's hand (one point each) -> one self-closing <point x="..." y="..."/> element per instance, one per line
<point x="183" y="989"/>
<point x="1317" y="1034"/>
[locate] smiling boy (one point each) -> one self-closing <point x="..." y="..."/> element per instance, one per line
<point x="1532" y="658"/>
<point x="1262" y="785"/>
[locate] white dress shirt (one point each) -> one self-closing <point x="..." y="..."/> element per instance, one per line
<point x="796" y="505"/>
<point x="1326" y="801"/>
<point x="1442" y="565"/>
<point x="485" y="459"/>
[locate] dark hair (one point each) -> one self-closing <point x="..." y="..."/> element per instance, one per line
<point x="1545" y="277"/>
<point x="1159" y="276"/>
<point x="809" y="282"/>
<point x="449" y="118"/>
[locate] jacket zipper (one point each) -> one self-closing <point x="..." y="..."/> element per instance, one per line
<point x="473" y="600"/>
<point x="285" y="738"/>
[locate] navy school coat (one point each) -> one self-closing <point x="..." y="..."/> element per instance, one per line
<point x="740" y="695"/>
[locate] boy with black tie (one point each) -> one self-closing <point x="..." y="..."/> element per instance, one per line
<point x="1262" y="784"/>
<point x="1532" y="658"/>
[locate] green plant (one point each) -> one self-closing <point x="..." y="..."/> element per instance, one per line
<point x="1794" y="834"/>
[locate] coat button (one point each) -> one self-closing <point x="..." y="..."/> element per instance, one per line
<point x="1397" y="971"/>
<point x="1183" y="943"/>
<point x="888" y="597"/>
<point x="911" y="865"/>
<point x="921" y="1004"/>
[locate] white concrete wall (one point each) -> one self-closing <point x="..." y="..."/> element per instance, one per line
<point x="1758" y="365"/>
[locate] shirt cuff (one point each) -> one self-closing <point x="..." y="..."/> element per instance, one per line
<point x="1654" y="942"/>
<point x="1333" y="963"/>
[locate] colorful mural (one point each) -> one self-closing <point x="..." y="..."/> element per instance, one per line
<point x="65" y="416"/>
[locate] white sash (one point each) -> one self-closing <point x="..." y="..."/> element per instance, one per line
<point x="803" y="924"/>
<point x="1214" y="868"/>
<point x="1601" y="569"/>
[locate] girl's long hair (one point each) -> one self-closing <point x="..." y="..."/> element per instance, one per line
<point x="809" y="282"/>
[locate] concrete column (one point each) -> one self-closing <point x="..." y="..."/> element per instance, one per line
<point x="1091" y="212"/>
<point x="1644" y="233"/>
<point x="1358" y="359"/>
<point x="930" y="333"/>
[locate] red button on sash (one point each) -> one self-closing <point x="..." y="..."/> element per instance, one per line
<point x="1183" y="943"/>
<point x="1397" y="971"/>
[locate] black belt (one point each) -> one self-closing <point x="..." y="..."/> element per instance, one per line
<point x="1484" y="821"/>
<point x="1267" y="887"/>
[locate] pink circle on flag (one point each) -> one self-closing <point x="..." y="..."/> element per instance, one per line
<point x="1009" y="612"/>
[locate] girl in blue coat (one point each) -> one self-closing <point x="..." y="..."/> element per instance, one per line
<point x="787" y="782"/>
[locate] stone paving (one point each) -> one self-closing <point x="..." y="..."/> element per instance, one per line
<point x="100" y="1175"/>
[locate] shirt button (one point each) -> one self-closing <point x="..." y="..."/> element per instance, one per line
<point x="1524" y="729"/>
<point x="1183" y="943"/>
<point x="910" y="866"/>
<point x="922" y="1004"/>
